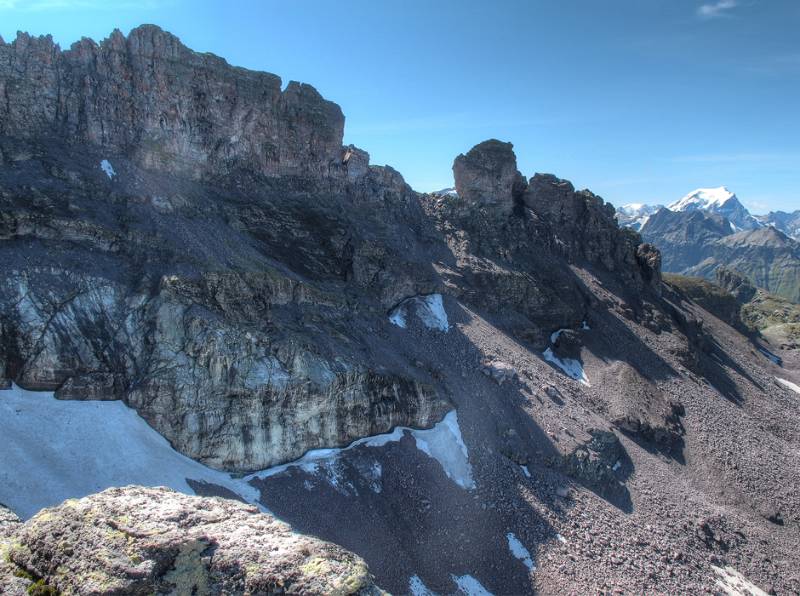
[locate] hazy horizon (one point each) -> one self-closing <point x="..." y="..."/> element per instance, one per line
<point x="641" y="102"/>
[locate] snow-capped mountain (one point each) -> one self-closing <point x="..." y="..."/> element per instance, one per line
<point x="445" y="192"/>
<point x="635" y="215"/>
<point x="788" y="223"/>
<point x="720" y="201"/>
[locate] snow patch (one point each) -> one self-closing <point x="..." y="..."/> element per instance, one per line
<point x="429" y="309"/>
<point x="398" y="317"/>
<point x="561" y="538"/>
<point x="443" y="443"/>
<point x="432" y="313"/>
<point x="616" y="466"/>
<point x="417" y="587"/>
<point x="56" y="450"/>
<point x="585" y="326"/>
<point x="572" y="368"/>
<point x="519" y="551"/>
<point x="106" y="166"/>
<point x="733" y="583"/>
<point x="526" y="471"/>
<point x="469" y="586"/>
<point x="788" y="385"/>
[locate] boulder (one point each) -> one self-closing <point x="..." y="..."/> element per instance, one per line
<point x="136" y="540"/>
<point x="498" y="371"/>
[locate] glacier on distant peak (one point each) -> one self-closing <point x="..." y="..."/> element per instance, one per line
<point x="703" y="198"/>
<point x="721" y="201"/>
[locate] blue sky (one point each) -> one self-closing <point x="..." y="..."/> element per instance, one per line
<point x="638" y="100"/>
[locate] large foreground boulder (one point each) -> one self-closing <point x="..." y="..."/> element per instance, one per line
<point x="136" y="540"/>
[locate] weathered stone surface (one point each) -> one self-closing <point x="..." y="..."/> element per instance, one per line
<point x="8" y="520"/>
<point x="737" y="284"/>
<point x="498" y="371"/>
<point x="638" y="407"/>
<point x="594" y="462"/>
<point x="167" y="107"/>
<point x="137" y="540"/>
<point x="487" y="175"/>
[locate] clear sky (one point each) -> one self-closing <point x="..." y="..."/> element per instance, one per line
<point x="638" y="100"/>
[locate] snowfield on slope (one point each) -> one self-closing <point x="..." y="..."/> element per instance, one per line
<point x="443" y="443"/>
<point x="429" y="309"/>
<point x="56" y="450"/>
<point x="61" y="449"/>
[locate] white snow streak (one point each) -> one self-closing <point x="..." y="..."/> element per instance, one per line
<point x="417" y="587"/>
<point x="429" y="309"/>
<point x="432" y="313"/>
<point x="443" y="443"/>
<point x="572" y="368"/>
<point x="469" y="586"/>
<point x="55" y="450"/>
<point x="398" y="317"/>
<point x="519" y="551"/>
<point x="106" y="166"/>
<point x="734" y="583"/>
<point x="788" y="385"/>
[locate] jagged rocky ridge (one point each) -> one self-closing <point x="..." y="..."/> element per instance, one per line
<point x="156" y="250"/>
<point x="223" y="292"/>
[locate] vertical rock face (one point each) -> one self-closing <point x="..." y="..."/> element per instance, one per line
<point x="582" y="223"/>
<point x="169" y="108"/>
<point x="487" y="175"/>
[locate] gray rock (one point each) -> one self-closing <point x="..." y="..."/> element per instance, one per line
<point x="166" y="106"/>
<point x="487" y="175"/>
<point x="498" y="371"/>
<point x="137" y="540"/>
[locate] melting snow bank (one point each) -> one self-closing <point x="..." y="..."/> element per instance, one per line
<point x="106" y="166"/>
<point x="55" y="450"/>
<point x="734" y="583"/>
<point x="788" y="385"/>
<point x="443" y="443"/>
<point x="429" y="309"/>
<point x="572" y="368"/>
<point x="469" y="586"/>
<point x="519" y="551"/>
<point x="416" y="587"/>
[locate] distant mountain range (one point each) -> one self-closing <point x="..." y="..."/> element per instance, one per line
<point x="709" y="228"/>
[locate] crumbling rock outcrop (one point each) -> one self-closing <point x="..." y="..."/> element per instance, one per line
<point x="737" y="284"/>
<point x="487" y="175"/>
<point x="137" y="540"/>
<point x="168" y="108"/>
<point x="215" y="257"/>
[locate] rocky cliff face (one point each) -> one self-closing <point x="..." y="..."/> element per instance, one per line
<point x="169" y="108"/>
<point x="213" y="255"/>
<point x="259" y="297"/>
<point x="154" y="541"/>
<point x="186" y="236"/>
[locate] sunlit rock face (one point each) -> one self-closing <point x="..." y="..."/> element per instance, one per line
<point x="487" y="175"/>
<point x="168" y="107"/>
<point x="136" y="540"/>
